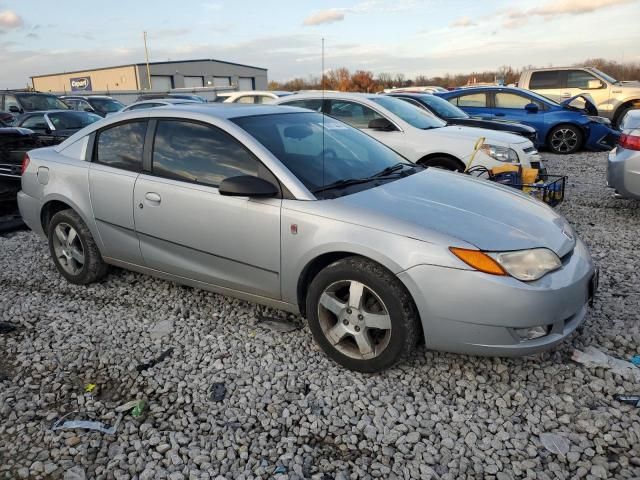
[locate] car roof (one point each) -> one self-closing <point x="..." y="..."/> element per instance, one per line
<point x="487" y="88"/>
<point x="166" y="101"/>
<point x="409" y="94"/>
<point x="42" y="112"/>
<point x="338" y="95"/>
<point x="234" y="110"/>
<point x="86" y="97"/>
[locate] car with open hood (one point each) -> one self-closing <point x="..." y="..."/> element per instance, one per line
<point x="419" y="135"/>
<point x="563" y="127"/>
<point x="299" y="211"/>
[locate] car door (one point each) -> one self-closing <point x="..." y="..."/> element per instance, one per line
<point x="187" y="228"/>
<point x="116" y="163"/>
<point x="511" y="106"/>
<point x="582" y="82"/>
<point x="359" y="115"/>
<point x="474" y="103"/>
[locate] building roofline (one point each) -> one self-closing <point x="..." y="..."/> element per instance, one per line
<point x="144" y="64"/>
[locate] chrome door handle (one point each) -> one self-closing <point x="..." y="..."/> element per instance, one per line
<point x="152" y="197"/>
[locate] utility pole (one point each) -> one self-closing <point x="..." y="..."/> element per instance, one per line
<point x="146" y="53"/>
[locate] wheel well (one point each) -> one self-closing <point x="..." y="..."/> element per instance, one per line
<point x="311" y="270"/>
<point x="49" y="210"/>
<point x="621" y="108"/>
<point x="426" y="158"/>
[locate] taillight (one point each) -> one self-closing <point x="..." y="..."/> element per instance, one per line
<point x="630" y="142"/>
<point x="25" y="163"/>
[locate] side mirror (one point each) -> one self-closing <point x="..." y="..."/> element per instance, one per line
<point x="48" y="131"/>
<point x="14" y="109"/>
<point x="381" y="124"/>
<point x="595" y="84"/>
<point x="247" y="186"/>
<point x="531" y="108"/>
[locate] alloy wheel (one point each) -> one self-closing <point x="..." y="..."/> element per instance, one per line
<point x="354" y="319"/>
<point x="68" y="248"/>
<point x="564" y="140"/>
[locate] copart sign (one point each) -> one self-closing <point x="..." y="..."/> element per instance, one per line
<point x="79" y="84"/>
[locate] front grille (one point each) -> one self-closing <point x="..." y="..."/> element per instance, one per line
<point x="535" y="165"/>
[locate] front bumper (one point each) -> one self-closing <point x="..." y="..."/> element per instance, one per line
<point x="469" y="312"/>
<point x="623" y="172"/>
<point x="602" y="137"/>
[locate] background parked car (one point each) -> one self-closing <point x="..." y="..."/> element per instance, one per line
<point x="52" y="127"/>
<point x="6" y="119"/>
<point x="99" y="104"/>
<point x="417" y="134"/>
<point x="424" y="89"/>
<point x="166" y="96"/>
<point x="456" y="116"/>
<point x="624" y="160"/>
<point x="299" y="211"/>
<point x="14" y="143"/>
<point x="612" y="98"/>
<point x="21" y="102"/>
<point x="160" y="102"/>
<point x="562" y="128"/>
<point x="250" y="96"/>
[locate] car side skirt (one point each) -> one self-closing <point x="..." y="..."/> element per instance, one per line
<point x="269" y="302"/>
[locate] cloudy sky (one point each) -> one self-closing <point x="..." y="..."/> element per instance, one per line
<point x="397" y="36"/>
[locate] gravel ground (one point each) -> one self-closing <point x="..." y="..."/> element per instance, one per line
<point x="288" y="411"/>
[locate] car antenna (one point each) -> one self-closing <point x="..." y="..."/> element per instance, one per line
<point x="322" y="109"/>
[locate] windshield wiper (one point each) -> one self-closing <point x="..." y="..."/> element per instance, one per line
<point x="391" y="169"/>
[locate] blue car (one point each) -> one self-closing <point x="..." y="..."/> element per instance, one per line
<point x="561" y="127"/>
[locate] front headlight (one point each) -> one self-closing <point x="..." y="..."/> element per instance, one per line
<point x="603" y="120"/>
<point x="501" y="154"/>
<point x="525" y="265"/>
<point x="528" y="265"/>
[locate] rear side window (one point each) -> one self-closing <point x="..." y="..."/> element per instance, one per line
<point x="511" y="100"/>
<point x="199" y="153"/>
<point x="471" y="100"/>
<point x="579" y="79"/>
<point x="36" y="122"/>
<point x="122" y="146"/>
<point x="545" y="80"/>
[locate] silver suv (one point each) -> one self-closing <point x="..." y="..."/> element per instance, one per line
<point x="612" y="97"/>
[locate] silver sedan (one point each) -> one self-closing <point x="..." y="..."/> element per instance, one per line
<point x="624" y="160"/>
<point x="298" y="211"/>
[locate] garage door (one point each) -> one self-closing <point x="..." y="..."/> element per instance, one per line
<point x="161" y="83"/>
<point x="221" y="81"/>
<point x="193" y="82"/>
<point x="245" y="83"/>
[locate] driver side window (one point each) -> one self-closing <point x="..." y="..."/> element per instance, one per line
<point x="352" y="113"/>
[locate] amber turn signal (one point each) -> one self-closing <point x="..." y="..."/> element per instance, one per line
<point x="478" y="260"/>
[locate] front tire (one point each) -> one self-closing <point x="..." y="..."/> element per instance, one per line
<point x="565" y="139"/>
<point x="73" y="249"/>
<point x="361" y="315"/>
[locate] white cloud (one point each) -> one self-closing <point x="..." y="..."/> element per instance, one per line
<point x="10" y="19"/>
<point x="463" y="22"/>
<point x="323" y="17"/>
<point x="518" y="17"/>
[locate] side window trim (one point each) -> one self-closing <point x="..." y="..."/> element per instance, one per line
<point x="153" y="133"/>
<point x="149" y="139"/>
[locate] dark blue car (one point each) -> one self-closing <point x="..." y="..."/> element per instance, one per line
<point x="562" y="127"/>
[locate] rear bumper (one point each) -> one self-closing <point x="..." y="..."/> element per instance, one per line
<point x="623" y="172"/>
<point x="30" y="210"/>
<point x="470" y="312"/>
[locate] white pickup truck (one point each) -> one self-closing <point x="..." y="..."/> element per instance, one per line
<point x="612" y="98"/>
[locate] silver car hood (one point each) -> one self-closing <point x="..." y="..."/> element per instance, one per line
<point x="435" y="204"/>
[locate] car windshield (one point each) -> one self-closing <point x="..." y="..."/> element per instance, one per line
<point x="608" y="78"/>
<point x="320" y="150"/>
<point x="72" y="120"/>
<point x="443" y="108"/>
<point x="106" y="105"/>
<point x="410" y="113"/>
<point x="33" y="102"/>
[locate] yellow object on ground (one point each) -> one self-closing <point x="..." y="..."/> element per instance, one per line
<point x="476" y="147"/>
<point x="90" y="387"/>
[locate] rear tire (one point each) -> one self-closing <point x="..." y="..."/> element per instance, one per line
<point x="361" y="315"/>
<point x="444" y="163"/>
<point x="74" y="252"/>
<point x="565" y="139"/>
